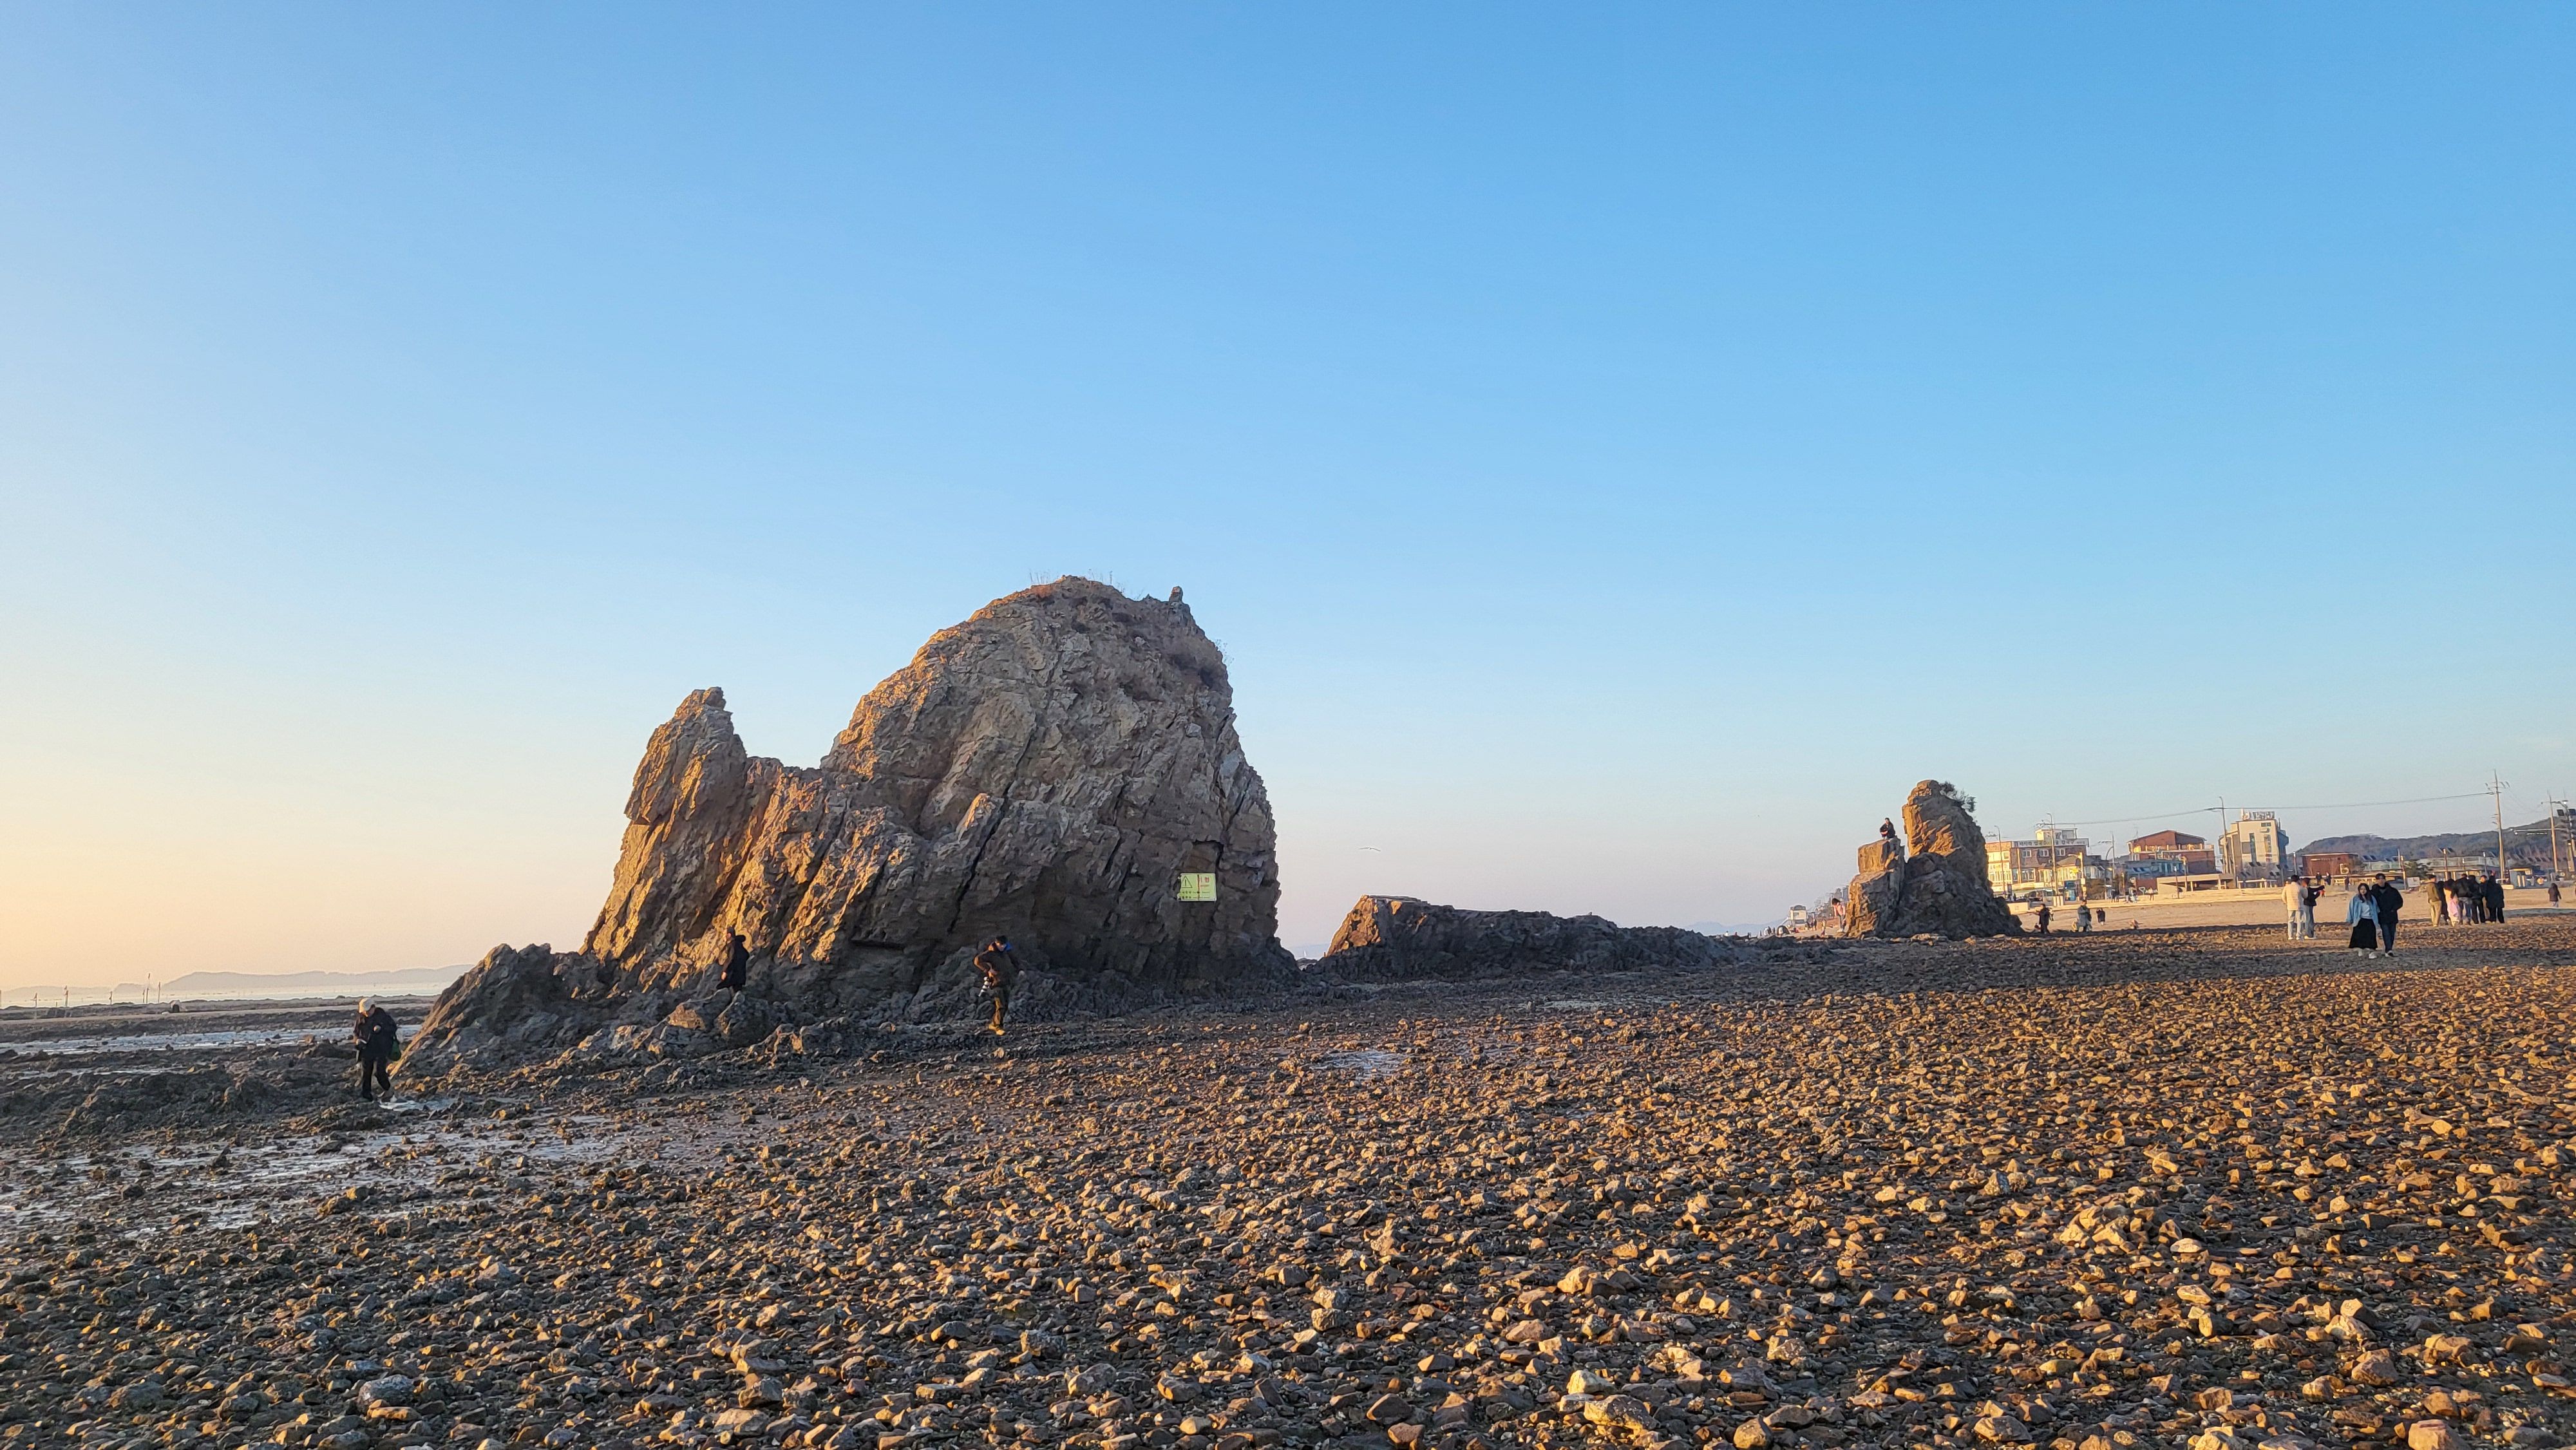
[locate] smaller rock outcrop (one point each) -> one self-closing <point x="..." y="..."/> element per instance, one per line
<point x="1397" y="938"/>
<point x="1935" y="882"/>
<point x="515" y="1003"/>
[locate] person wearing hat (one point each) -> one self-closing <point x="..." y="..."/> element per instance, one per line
<point x="374" y="1034"/>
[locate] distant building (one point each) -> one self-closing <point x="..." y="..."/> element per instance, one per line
<point x="2055" y="861"/>
<point x="2254" y="845"/>
<point x="2148" y="868"/>
<point x="2455" y="863"/>
<point x="2330" y="864"/>
<point x="2185" y="855"/>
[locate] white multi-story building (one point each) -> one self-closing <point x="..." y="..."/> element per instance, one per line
<point x="2255" y="845"/>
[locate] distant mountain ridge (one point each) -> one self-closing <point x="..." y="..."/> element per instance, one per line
<point x="429" y="977"/>
<point x="2527" y="844"/>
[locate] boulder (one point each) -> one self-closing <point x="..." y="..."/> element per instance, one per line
<point x="516" y="1002"/>
<point x="1397" y="938"/>
<point x="1047" y="770"/>
<point x="1935" y="883"/>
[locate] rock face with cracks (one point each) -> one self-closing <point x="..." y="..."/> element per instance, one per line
<point x="1936" y="884"/>
<point x="1396" y="938"/>
<point x="1047" y="770"/>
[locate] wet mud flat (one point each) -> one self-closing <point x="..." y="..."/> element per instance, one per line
<point x="97" y="1077"/>
<point x="2205" y="1189"/>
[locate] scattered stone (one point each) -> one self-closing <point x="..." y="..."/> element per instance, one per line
<point x="1908" y="1194"/>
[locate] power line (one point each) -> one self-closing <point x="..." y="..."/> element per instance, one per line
<point x="2205" y="810"/>
<point x="2358" y="805"/>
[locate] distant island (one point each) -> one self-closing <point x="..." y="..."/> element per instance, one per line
<point x="215" y="984"/>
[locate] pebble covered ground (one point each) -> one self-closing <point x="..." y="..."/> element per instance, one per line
<point x="2206" y="1189"/>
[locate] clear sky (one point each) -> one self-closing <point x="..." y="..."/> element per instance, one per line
<point x="1619" y="448"/>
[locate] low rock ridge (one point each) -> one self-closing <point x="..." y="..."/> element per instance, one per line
<point x="1399" y="938"/>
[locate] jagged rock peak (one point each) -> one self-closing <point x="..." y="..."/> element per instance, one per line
<point x="1935" y="882"/>
<point x="1047" y="770"/>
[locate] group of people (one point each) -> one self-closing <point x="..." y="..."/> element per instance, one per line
<point x="2377" y="905"/>
<point x="2464" y="900"/>
<point x="2372" y="914"/>
<point x="994" y="965"/>
<point x="2086" y="917"/>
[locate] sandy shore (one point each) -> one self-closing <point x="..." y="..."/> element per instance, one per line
<point x="2265" y="908"/>
<point x="2196" y="1187"/>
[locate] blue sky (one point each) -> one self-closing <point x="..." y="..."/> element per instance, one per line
<point x="1619" y="452"/>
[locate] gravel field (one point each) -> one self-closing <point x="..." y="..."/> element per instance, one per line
<point x="2204" y="1188"/>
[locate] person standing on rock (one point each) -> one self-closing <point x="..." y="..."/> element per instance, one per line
<point x="374" y="1034"/>
<point x="736" y="965"/>
<point x="2362" y="915"/>
<point x="1887" y="829"/>
<point x="995" y="966"/>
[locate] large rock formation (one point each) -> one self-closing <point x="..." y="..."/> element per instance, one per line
<point x="1935" y="882"/>
<point x="1046" y="770"/>
<point x="1396" y="938"/>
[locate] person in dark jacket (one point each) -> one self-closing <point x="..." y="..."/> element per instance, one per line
<point x="735" y="965"/>
<point x="2494" y="898"/>
<point x="2390" y="901"/>
<point x="999" y="972"/>
<point x="374" y="1033"/>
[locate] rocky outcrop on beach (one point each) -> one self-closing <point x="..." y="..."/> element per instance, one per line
<point x="1935" y="882"/>
<point x="1049" y="770"/>
<point x="1397" y="938"/>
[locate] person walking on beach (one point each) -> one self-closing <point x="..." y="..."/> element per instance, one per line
<point x="2043" y="916"/>
<point x="999" y="972"/>
<point x="2392" y="904"/>
<point x="2553" y="893"/>
<point x="2301" y="903"/>
<point x="2362" y="915"/>
<point x="736" y="966"/>
<point x="374" y="1033"/>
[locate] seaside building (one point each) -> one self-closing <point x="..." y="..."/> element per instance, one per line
<point x="2254" y="846"/>
<point x="2056" y="861"/>
<point x="2171" y="853"/>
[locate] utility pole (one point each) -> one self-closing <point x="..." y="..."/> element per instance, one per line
<point x="2555" y="806"/>
<point x="2495" y="789"/>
